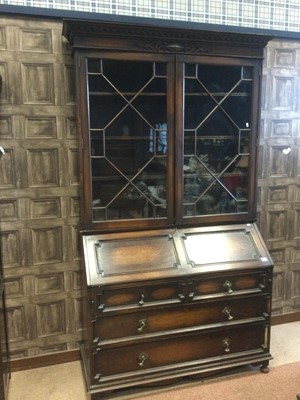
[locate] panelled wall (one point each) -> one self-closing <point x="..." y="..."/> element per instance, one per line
<point x="39" y="188"/>
<point x="279" y="170"/>
<point x="39" y="182"/>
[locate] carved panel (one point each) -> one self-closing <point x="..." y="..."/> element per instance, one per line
<point x="3" y="43"/>
<point x="11" y="249"/>
<point x="14" y="287"/>
<point x="50" y="318"/>
<point x="45" y="208"/>
<point x="41" y="127"/>
<point x="278" y="194"/>
<point x="49" y="283"/>
<point x="74" y="206"/>
<point x="7" y="170"/>
<point x="297" y="162"/>
<point x="280" y="162"/>
<point x="76" y="243"/>
<point x="78" y="314"/>
<point x="297" y="193"/>
<point x="284" y="98"/>
<point x="73" y="163"/>
<point x="36" y="40"/>
<point x="16" y="321"/>
<point x="77" y="283"/>
<point x="296" y="255"/>
<point x="47" y="245"/>
<point x="71" y="128"/>
<point x="296" y="224"/>
<point x="5" y="127"/>
<point x="4" y="97"/>
<point x="9" y="210"/>
<point x="281" y="128"/>
<point x="296" y="287"/>
<point x="69" y="84"/>
<point x="278" y="255"/>
<point x="43" y="167"/>
<point x="285" y="58"/>
<point x="277" y="225"/>
<point x="38" y="83"/>
<point x="278" y="289"/>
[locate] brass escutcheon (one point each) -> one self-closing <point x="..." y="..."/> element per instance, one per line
<point x="228" y="286"/>
<point x="226" y="343"/>
<point x="142" y="325"/>
<point x="227" y="312"/>
<point x="142" y="359"/>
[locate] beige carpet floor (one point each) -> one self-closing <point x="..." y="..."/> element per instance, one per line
<point x="65" y="381"/>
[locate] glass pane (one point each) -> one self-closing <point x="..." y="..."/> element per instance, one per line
<point x="217" y="119"/>
<point x="129" y="139"/>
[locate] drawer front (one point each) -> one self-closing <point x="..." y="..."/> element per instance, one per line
<point x="107" y="327"/>
<point x="138" y="296"/>
<point x="180" y="349"/>
<point x="255" y="282"/>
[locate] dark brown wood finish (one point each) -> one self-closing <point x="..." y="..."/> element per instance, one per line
<point x="165" y="274"/>
<point x="34" y="126"/>
<point x="106" y="42"/>
<point x="216" y="311"/>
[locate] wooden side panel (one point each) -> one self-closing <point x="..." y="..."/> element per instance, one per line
<point x="39" y="207"/>
<point x="279" y="170"/>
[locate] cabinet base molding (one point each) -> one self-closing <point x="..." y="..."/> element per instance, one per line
<point x="210" y="369"/>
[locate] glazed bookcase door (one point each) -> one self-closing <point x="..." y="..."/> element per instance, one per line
<point x="129" y="103"/>
<point x="216" y="172"/>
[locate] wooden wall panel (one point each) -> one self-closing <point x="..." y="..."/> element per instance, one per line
<point x="279" y="170"/>
<point x="39" y="206"/>
<point x="39" y="199"/>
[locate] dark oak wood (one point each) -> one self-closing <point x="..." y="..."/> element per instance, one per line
<point x="166" y="271"/>
<point x="115" y="193"/>
<point x="215" y="310"/>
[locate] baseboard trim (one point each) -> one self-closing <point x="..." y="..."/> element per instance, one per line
<point x="45" y="360"/>
<point x="285" y="318"/>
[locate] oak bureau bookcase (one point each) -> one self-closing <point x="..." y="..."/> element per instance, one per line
<point x="177" y="278"/>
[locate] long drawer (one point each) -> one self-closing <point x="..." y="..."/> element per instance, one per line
<point x="182" y="349"/>
<point x="145" y="321"/>
<point x="182" y="290"/>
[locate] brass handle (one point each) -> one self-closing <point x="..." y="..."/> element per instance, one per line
<point x="226" y="343"/>
<point x="142" y="325"/>
<point x="227" y="312"/>
<point x="228" y="286"/>
<point x="142" y="358"/>
<point x="141" y="302"/>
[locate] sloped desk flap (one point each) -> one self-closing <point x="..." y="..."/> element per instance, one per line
<point x="224" y="247"/>
<point x="131" y="256"/>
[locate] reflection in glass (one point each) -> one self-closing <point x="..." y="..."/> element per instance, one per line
<point x="128" y="137"/>
<point x="217" y="115"/>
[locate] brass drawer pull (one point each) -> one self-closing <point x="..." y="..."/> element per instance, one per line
<point x="142" y="359"/>
<point x="226" y="343"/>
<point x="142" y="325"/>
<point x="227" y="312"/>
<point x="141" y="302"/>
<point x="228" y="286"/>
